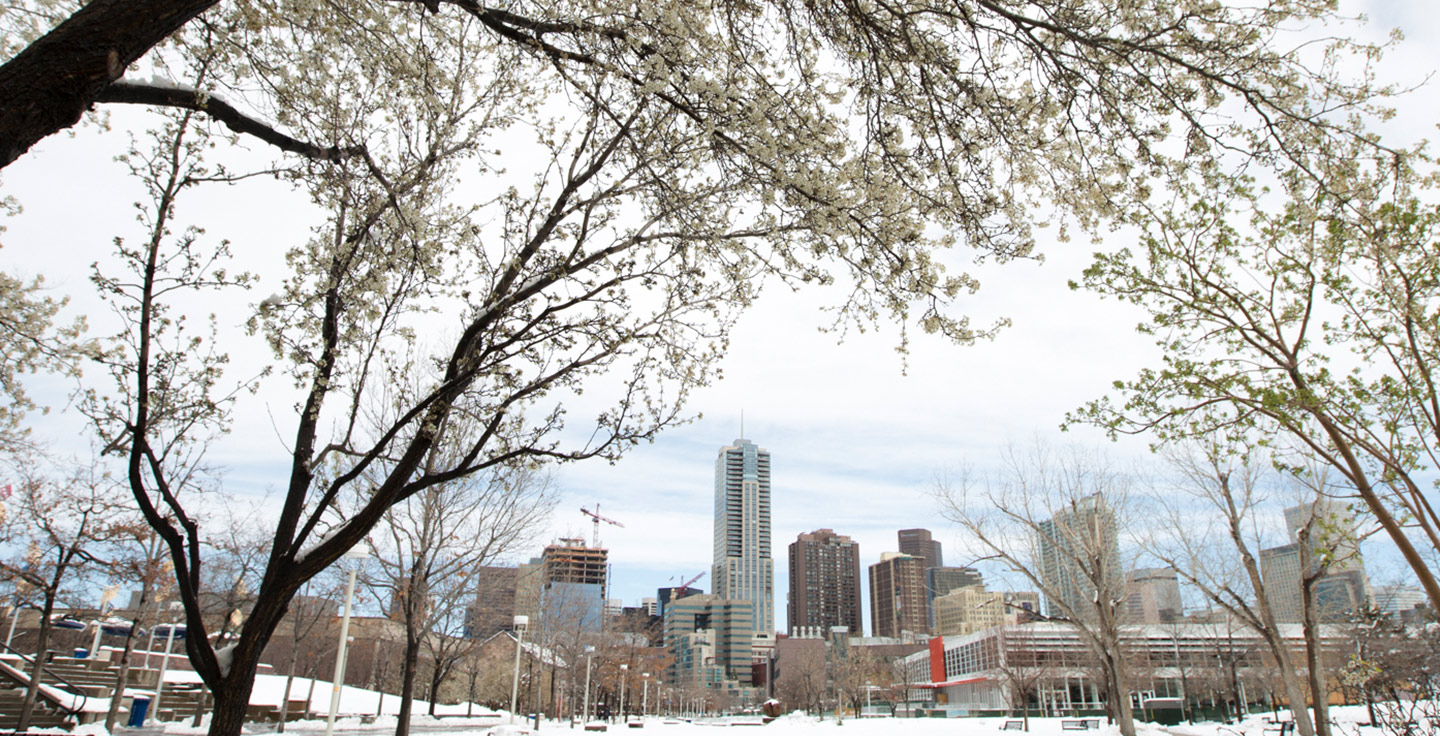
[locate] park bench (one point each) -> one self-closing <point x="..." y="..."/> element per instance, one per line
<point x="1013" y="726"/>
<point x="1080" y="724"/>
<point x="1281" y="728"/>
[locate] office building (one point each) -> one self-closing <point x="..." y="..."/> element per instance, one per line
<point x="824" y="582"/>
<point x="743" y="567"/>
<point x="493" y="610"/>
<point x="1342" y="590"/>
<point x="664" y="596"/>
<point x="1152" y="596"/>
<point x="897" y="596"/>
<point x="942" y="580"/>
<point x="967" y="610"/>
<point x="918" y="543"/>
<point x="1078" y="549"/>
<point x="709" y="638"/>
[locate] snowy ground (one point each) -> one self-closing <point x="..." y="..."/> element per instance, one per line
<point x="1348" y="723"/>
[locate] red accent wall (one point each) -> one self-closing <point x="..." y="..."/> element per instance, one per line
<point x="937" y="659"/>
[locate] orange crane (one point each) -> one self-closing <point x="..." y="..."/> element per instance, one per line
<point x="597" y="518"/>
<point x="681" y="588"/>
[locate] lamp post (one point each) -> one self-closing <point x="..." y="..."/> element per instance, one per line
<point x="521" y="623"/>
<point x="356" y="553"/>
<point x="165" y="661"/>
<point x="14" y="616"/>
<point x="589" y="658"/>
<point x="645" y="696"/>
<point x="624" y="670"/>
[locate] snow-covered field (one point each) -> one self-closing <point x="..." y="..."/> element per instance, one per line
<point x="1349" y="722"/>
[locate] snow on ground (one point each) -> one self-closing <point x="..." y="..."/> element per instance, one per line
<point x="1348" y="723"/>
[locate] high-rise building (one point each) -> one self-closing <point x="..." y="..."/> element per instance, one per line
<point x="897" y="596"/>
<point x="709" y="638"/>
<point x="824" y="582"/>
<point x="1343" y="589"/>
<point x="942" y="580"/>
<point x="743" y="568"/>
<point x="1152" y="596"/>
<point x="573" y="585"/>
<point x="968" y="609"/>
<point x="1280" y="570"/>
<point x="1078" y="549"/>
<point x="665" y="595"/>
<point x="917" y="543"/>
<point x="494" y="608"/>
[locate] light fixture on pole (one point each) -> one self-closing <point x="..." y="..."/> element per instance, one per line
<point x="165" y="661"/>
<point x="589" y="658"/>
<point x="624" y="670"/>
<point x="521" y="623"/>
<point x="357" y="553"/>
<point x="645" y="697"/>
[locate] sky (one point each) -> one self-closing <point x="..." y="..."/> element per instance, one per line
<point x="856" y="432"/>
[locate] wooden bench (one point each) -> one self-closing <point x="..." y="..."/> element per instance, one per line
<point x="596" y="727"/>
<point x="1013" y="726"/>
<point x="1079" y="724"/>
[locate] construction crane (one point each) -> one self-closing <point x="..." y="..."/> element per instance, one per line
<point x="681" y="588"/>
<point x="597" y="518"/>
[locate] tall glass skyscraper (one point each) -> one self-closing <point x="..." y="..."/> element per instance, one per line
<point x="743" y="566"/>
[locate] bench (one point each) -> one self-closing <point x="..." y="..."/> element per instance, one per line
<point x="1283" y="728"/>
<point x="595" y="727"/>
<point x="1079" y="724"/>
<point x="1013" y="726"/>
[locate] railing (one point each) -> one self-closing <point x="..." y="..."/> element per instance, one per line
<point x="23" y="675"/>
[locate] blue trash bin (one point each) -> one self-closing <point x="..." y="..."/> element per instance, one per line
<point x="82" y="653"/>
<point x="137" y="712"/>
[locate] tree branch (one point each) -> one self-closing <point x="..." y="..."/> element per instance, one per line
<point x="222" y="111"/>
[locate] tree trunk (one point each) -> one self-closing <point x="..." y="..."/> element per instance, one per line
<point x="122" y="678"/>
<point x="407" y="682"/>
<point x="1310" y="625"/>
<point x="42" y="643"/>
<point x="49" y="85"/>
<point x="285" y="699"/>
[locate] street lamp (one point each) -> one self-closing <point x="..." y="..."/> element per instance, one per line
<point x="589" y="658"/>
<point x="358" y="552"/>
<point x="165" y="661"/>
<point x="645" y="697"/>
<point x="624" y="669"/>
<point x="521" y="623"/>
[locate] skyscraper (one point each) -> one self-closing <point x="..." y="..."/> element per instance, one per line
<point x="1152" y="596"/>
<point x="743" y="567"/>
<point x="917" y="543"/>
<point x="897" y="596"/>
<point x="942" y="580"/>
<point x="1343" y="589"/>
<point x="1078" y="548"/>
<point x="824" y="582"/>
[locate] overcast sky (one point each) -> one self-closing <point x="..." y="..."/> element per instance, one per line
<point x="856" y="433"/>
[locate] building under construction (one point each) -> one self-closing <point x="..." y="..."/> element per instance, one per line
<point x="574" y="583"/>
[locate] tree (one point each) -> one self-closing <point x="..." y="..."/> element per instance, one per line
<point x="139" y="557"/>
<point x="1056" y="520"/>
<point x="433" y="542"/>
<point x="1227" y="480"/>
<point x="1023" y="670"/>
<point x="1255" y="302"/>
<point x="680" y="157"/>
<point x="30" y="342"/>
<point x="62" y="527"/>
